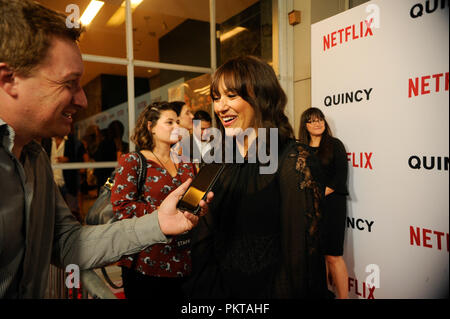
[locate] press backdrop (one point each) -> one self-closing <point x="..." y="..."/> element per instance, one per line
<point x="380" y="73"/>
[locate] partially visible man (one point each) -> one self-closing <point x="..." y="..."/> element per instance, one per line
<point x="40" y="72"/>
<point x="201" y="144"/>
<point x="67" y="149"/>
<point x="185" y="123"/>
<point x="184" y="114"/>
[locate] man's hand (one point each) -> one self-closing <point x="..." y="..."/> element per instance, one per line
<point x="173" y="221"/>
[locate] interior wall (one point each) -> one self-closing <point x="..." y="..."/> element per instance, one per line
<point x="312" y="11"/>
<point x="302" y="61"/>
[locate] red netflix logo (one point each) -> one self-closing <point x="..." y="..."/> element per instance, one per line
<point x="427" y="237"/>
<point x="351" y="32"/>
<point x="426" y="84"/>
<point x="361" y="289"/>
<point x="361" y="160"/>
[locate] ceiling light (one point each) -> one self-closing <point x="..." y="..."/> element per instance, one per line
<point x="231" y="33"/>
<point x="203" y="90"/>
<point x="118" y="17"/>
<point x="134" y="3"/>
<point x="91" y="11"/>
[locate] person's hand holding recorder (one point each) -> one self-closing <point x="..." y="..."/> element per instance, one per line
<point x="173" y="221"/>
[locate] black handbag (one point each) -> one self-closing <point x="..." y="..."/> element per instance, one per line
<point x="101" y="212"/>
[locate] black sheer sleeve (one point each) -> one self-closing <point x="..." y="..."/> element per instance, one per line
<point x="302" y="270"/>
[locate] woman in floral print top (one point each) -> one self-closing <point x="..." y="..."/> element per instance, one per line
<point x="159" y="269"/>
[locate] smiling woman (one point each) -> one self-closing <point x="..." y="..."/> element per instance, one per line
<point x="315" y="132"/>
<point x="246" y="93"/>
<point x="260" y="239"/>
<point x="232" y="110"/>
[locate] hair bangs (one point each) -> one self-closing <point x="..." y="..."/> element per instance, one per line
<point x="230" y="78"/>
<point x="314" y="113"/>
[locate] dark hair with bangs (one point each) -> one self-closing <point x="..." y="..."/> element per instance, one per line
<point x="325" y="152"/>
<point x="142" y="137"/>
<point x="255" y="81"/>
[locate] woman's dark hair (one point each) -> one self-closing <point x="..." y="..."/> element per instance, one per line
<point x="255" y="81"/>
<point x="325" y="152"/>
<point x="177" y="106"/>
<point x="142" y="137"/>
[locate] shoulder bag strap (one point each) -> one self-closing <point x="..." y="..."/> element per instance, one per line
<point x="142" y="173"/>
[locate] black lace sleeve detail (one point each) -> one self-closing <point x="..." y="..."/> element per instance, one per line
<point x="302" y="271"/>
<point x="310" y="177"/>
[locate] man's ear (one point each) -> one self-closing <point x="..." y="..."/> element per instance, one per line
<point x="7" y="80"/>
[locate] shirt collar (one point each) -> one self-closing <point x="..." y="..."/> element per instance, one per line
<point x="7" y="135"/>
<point x="65" y="138"/>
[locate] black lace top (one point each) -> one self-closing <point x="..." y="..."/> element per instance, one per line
<point x="260" y="238"/>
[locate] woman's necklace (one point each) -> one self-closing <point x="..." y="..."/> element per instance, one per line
<point x="163" y="164"/>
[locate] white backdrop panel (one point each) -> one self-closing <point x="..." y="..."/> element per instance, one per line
<point x="388" y="127"/>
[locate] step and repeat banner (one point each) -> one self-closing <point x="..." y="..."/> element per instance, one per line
<point x="380" y="74"/>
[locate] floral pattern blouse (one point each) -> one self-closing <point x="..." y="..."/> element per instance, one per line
<point x="159" y="260"/>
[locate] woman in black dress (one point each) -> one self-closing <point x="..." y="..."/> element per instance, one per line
<point x="261" y="236"/>
<point x="315" y="132"/>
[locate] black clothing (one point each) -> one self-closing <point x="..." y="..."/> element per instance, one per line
<point x="335" y="172"/>
<point x="106" y="152"/>
<point x="139" y="286"/>
<point x="335" y="205"/>
<point x="334" y="215"/>
<point x="260" y="237"/>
